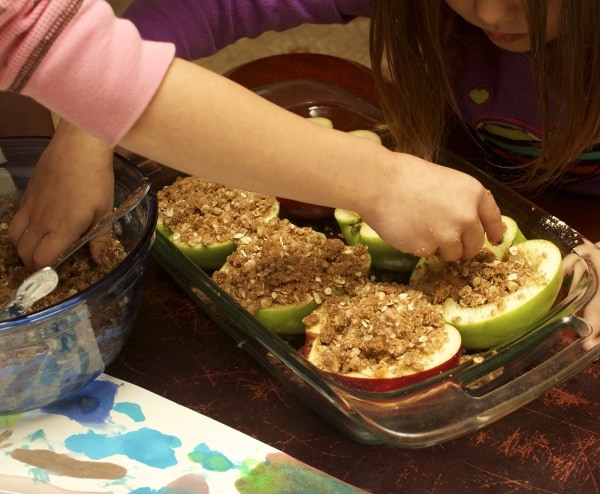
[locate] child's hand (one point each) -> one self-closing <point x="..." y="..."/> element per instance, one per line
<point x="71" y="188"/>
<point x="435" y="210"/>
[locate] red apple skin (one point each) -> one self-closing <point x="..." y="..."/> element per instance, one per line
<point x="304" y="210"/>
<point x="382" y="385"/>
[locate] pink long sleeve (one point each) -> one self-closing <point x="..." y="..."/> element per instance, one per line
<point x="78" y="60"/>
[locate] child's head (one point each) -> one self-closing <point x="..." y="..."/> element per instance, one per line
<point x="421" y="47"/>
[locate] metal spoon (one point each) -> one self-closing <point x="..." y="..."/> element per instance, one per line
<point x="39" y="284"/>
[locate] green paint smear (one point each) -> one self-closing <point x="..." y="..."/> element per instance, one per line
<point x="282" y="474"/>
<point x="10" y="419"/>
<point x="214" y="461"/>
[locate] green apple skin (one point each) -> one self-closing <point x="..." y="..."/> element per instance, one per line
<point x="512" y="236"/>
<point x="366" y="134"/>
<point x="444" y="360"/>
<point x="322" y="121"/>
<point x="386" y="257"/>
<point x="488" y="326"/>
<point x="209" y="257"/>
<point x="285" y="319"/>
<point x="383" y="255"/>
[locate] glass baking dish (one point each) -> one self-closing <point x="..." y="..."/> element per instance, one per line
<point x="476" y="393"/>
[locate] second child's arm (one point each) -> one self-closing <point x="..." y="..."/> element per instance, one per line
<point x="205" y="125"/>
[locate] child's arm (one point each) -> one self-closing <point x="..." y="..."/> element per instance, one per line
<point x="206" y="125"/>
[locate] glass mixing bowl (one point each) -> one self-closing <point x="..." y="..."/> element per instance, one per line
<point x="49" y="354"/>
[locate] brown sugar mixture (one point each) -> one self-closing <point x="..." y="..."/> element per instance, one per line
<point x="76" y="273"/>
<point x="480" y="280"/>
<point x="282" y="263"/>
<point x="201" y="213"/>
<point x="385" y="329"/>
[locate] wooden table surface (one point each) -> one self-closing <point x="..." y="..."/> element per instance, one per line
<point x="551" y="445"/>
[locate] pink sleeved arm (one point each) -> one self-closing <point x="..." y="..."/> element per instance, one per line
<point x="77" y="59"/>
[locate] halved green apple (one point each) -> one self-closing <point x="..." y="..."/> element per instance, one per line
<point x="383" y="338"/>
<point x="283" y="319"/>
<point x="366" y="134"/>
<point x="283" y="275"/>
<point x="323" y="121"/>
<point x="286" y="319"/>
<point x="383" y="255"/>
<point x="206" y="257"/>
<point x="494" y="322"/>
<point x="192" y="205"/>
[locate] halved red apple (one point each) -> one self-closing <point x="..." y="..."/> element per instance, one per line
<point x="304" y="210"/>
<point x="385" y="337"/>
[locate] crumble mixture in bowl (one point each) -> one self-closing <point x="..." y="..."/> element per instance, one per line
<point x="69" y="337"/>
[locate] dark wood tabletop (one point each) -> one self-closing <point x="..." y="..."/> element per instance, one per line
<point x="551" y="445"/>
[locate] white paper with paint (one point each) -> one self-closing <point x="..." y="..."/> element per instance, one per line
<point x="115" y="437"/>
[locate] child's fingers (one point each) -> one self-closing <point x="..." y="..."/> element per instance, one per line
<point x="450" y="251"/>
<point x="472" y="240"/>
<point x="100" y="244"/>
<point x="491" y="220"/>
<point x="26" y="244"/>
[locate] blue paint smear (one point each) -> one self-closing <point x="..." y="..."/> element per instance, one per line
<point x="147" y="446"/>
<point x="132" y="410"/>
<point x="90" y="405"/>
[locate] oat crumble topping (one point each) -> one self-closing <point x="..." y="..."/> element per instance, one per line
<point x="287" y="264"/>
<point x="385" y="329"/>
<point x="480" y="280"/>
<point x="201" y="213"/>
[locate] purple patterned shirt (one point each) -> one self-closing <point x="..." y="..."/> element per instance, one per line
<point x="496" y="97"/>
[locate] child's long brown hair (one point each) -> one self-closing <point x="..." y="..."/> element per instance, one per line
<point x="417" y="44"/>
